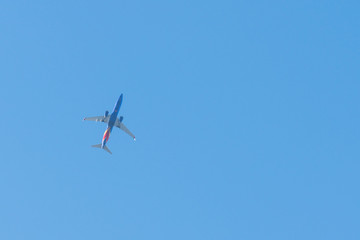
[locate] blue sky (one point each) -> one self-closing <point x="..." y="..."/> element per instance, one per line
<point x="246" y="116"/>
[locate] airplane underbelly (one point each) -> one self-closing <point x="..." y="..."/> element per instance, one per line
<point x="112" y="121"/>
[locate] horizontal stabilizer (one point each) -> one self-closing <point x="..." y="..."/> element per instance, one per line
<point x="107" y="149"/>
<point x="100" y="146"/>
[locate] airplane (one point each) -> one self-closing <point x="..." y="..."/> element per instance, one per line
<point x="112" y="120"/>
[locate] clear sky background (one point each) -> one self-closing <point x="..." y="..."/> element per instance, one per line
<point x="246" y="115"/>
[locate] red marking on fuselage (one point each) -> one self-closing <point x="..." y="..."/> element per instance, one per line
<point x="106" y="135"/>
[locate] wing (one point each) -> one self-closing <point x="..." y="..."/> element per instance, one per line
<point x="98" y="119"/>
<point x="124" y="128"/>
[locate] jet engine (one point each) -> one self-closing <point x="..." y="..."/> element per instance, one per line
<point x="121" y="118"/>
<point x="106" y="113"/>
